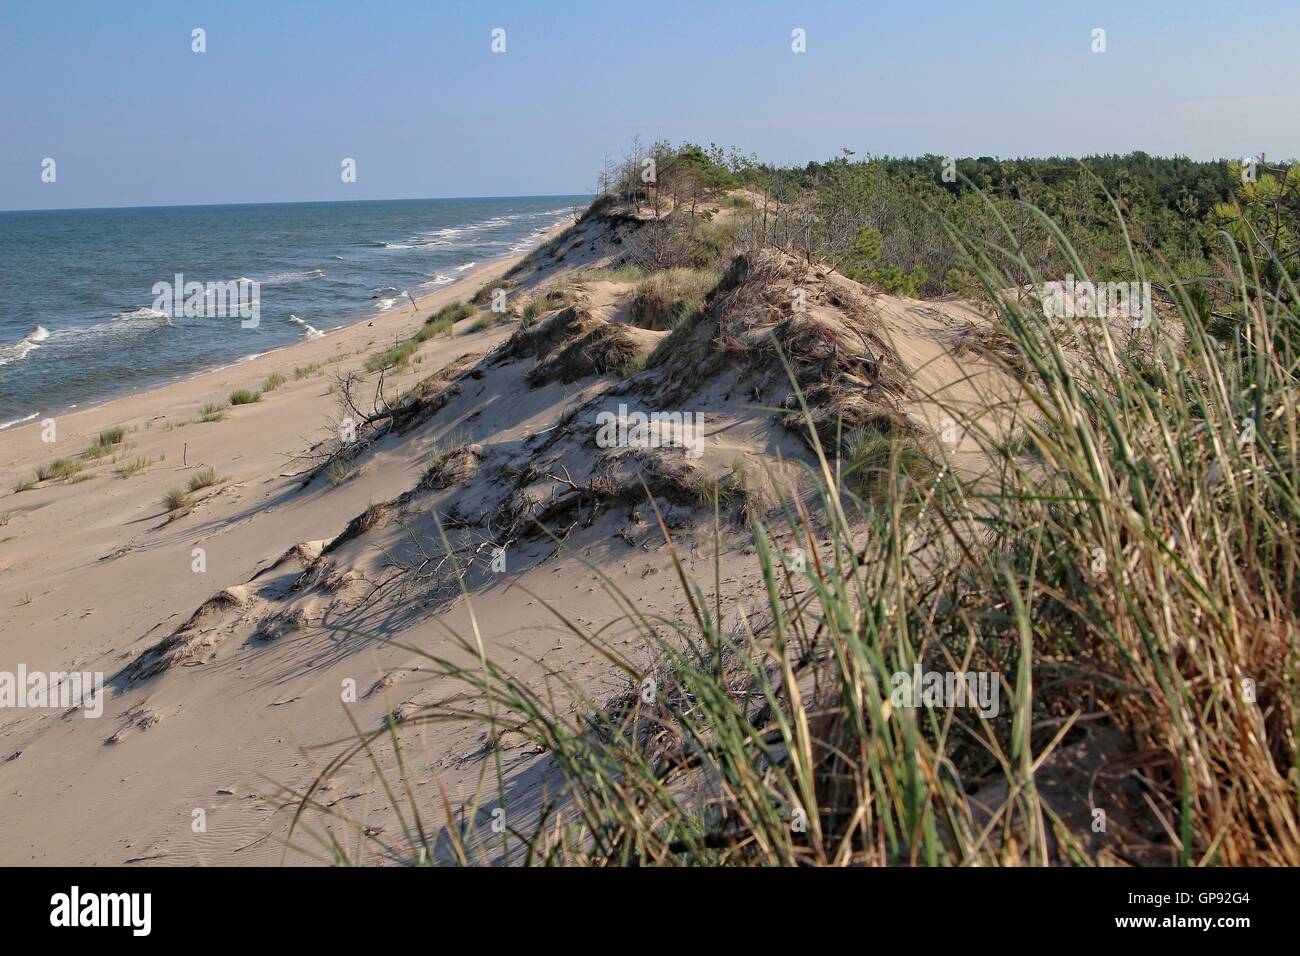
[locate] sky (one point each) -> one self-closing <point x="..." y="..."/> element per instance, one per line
<point x="413" y="92"/>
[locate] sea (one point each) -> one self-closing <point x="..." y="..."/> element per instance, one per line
<point x="78" y="322"/>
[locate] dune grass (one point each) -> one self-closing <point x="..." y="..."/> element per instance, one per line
<point x="131" y="467"/>
<point x="243" y="396"/>
<point x="272" y="382"/>
<point x="177" y="500"/>
<point x="1139" y="571"/>
<point x="110" y="441"/>
<point x="304" y="371"/>
<point x="57" y="469"/>
<point x="212" y="412"/>
<point x="396" y="357"/>
<point x="452" y="312"/>
<point x="624" y="274"/>
<point x="203" y="478"/>
<point x="664" y="298"/>
<point x="442" y="322"/>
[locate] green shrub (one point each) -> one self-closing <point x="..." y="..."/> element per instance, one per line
<point x="895" y="281"/>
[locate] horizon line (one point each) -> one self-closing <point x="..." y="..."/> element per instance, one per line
<point x="291" y="202"/>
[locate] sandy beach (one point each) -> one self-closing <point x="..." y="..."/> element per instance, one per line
<point x="93" y="571"/>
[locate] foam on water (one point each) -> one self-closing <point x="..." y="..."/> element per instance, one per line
<point x="308" y="331"/>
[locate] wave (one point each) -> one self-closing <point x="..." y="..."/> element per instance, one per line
<point x="309" y="332"/>
<point x="286" y="278"/>
<point x="17" y="421"/>
<point x="468" y="265"/>
<point x="25" y="346"/>
<point x="140" y="314"/>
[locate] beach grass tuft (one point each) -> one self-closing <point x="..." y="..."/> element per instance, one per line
<point x="131" y="468"/>
<point x="57" y="469"/>
<point x="112" y="436"/>
<point x="177" y="500"/>
<point x="204" y="478"/>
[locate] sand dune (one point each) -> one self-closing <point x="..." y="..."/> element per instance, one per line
<point x="230" y="687"/>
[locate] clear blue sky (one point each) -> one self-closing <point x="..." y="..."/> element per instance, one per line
<point x="411" y="90"/>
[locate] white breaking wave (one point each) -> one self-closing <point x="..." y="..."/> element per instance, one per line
<point x="24" y="346"/>
<point x="309" y="331"/>
<point x="143" y="314"/>
<point x="284" y="278"/>
<point x="17" y="421"/>
<point x="530" y="240"/>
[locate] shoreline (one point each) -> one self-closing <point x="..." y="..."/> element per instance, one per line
<point x="473" y="276"/>
<point x="96" y="568"/>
